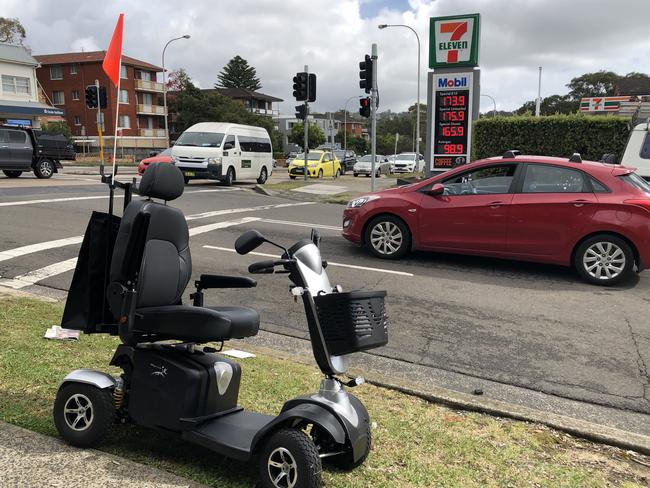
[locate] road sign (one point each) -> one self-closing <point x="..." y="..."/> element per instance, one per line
<point x="454" y="41"/>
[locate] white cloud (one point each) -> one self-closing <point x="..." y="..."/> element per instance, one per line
<point x="278" y="38"/>
<point x="84" y="44"/>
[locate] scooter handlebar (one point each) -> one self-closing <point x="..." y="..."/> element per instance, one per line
<point x="267" y="267"/>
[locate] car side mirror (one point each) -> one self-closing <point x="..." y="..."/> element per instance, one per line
<point x="249" y="241"/>
<point x="437" y="189"/>
<point x="228" y="145"/>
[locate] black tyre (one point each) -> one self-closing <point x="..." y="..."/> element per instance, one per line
<point x="292" y="177"/>
<point x="387" y="237"/>
<point x="320" y="174"/>
<point x="187" y="179"/>
<point x="337" y="174"/>
<point x="44" y="169"/>
<point x="604" y="259"/>
<point x="263" y="176"/>
<point x="83" y="414"/>
<point x="355" y="174"/>
<point x="230" y="177"/>
<point x="12" y="174"/>
<point x="344" y="462"/>
<point x="290" y="460"/>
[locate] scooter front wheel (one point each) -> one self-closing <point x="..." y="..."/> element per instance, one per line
<point x="290" y="460"/>
<point x="83" y="414"/>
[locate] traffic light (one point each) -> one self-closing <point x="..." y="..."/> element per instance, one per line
<point x="364" y="107"/>
<point x="301" y="111"/>
<point x="300" y="86"/>
<point x="312" y="87"/>
<point x="102" y="97"/>
<point x="91" y="96"/>
<point x="365" y="75"/>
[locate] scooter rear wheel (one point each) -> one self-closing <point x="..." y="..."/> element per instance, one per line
<point x="290" y="460"/>
<point x="83" y="414"/>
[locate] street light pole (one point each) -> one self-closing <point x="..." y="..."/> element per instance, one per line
<point x="493" y="103"/>
<point x="186" y="36"/>
<point x="345" y="124"/>
<point x="417" y="114"/>
<point x="538" y="101"/>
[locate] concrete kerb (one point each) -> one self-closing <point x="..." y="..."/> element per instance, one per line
<point x="462" y="401"/>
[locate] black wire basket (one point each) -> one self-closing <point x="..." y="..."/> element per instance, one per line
<point x="352" y="321"/>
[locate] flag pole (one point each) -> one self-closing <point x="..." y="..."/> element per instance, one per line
<point x="117" y="118"/>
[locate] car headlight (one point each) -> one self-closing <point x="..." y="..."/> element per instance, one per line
<point x="214" y="160"/>
<point x="361" y="201"/>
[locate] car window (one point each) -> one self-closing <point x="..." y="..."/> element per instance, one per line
<point x="482" y="181"/>
<point x="543" y="178"/>
<point x="17" y="137"/>
<point x="597" y="186"/>
<point x="645" y="148"/>
<point x="636" y="181"/>
<point x="229" y="143"/>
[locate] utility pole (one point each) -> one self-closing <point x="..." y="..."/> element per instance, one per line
<point x="100" y="124"/>
<point x="306" y="127"/>
<point x="538" y="102"/>
<point x="373" y="116"/>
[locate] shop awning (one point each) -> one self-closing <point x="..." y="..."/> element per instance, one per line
<point x="28" y="108"/>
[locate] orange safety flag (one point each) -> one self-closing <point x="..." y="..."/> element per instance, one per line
<point x="111" y="64"/>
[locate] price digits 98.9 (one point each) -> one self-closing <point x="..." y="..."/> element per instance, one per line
<point x="453" y="149"/>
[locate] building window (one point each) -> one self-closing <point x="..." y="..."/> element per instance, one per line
<point x="145" y="75"/>
<point x="124" y="122"/>
<point x="15" y="84"/>
<point x="58" y="98"/>
<point x="56" y="73"/>
<point x="73" y="69"/>
<point x="123" y="73"/>
<point x="75" y="94"/>
<point x="124" y="96"/>
<point x="147" y="99"/>
<point x="77" y="120"/>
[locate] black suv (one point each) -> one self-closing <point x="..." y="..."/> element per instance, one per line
<point x="347" y="158"/>
<point x="25" y="149"/>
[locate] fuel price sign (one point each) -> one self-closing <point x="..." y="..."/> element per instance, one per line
<point x="452" y="117"/>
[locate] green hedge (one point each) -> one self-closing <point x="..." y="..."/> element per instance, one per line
<point x="555" y="135"/>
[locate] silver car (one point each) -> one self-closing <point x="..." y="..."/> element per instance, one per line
<point x="363" y="166"/>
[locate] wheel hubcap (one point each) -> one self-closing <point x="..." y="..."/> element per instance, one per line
<point x="283" y="469"/>
<point x="78" y="412"/>
<point x="46" y="170"/>
<point x="386" y="238"/>
<point x="604" y="260"/>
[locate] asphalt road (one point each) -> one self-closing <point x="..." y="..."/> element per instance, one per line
<point x="532" y="326"/>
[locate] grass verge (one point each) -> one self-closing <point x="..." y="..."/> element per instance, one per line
<point x="416" y="443"/>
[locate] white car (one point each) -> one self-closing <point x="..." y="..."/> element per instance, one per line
<point x="406" y="163"/>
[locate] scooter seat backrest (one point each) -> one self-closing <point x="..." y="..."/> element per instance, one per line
<point x="166" y="264"/>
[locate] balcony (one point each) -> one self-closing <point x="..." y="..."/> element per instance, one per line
<point x="142" y="109"/>
<point x="151" y="86"/>
<point x="152" y="132"/>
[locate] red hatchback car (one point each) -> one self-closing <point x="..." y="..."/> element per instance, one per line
<point x="593" y="216"/>
<point x="162" y="157"/>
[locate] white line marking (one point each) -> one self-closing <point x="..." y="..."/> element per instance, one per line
<point x="229" y="211"/>
<point x="39" y="274"/>
<point x="331" y="263"/>
<point x="301" y="224"/>
<point x="221" y="225"/>
<point x="41" y="246"/>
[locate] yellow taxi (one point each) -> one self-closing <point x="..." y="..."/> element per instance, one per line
<point x="319" y="165"/>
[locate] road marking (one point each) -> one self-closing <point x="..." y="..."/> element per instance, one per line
<point x="301" y="224"/>
<point x="221" y="225"/>
<point x="32" y="277"/>
<point x="229" y="211"/>
<point x="41" y="246"/>
<point x="330" y="263"/>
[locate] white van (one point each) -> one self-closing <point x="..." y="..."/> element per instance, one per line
<point x="225" y="152"/>
<point x="637" y="151"/>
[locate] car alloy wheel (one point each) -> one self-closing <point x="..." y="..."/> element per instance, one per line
<point x="386" y="238"/>
<point x="604" y="260"/>
<point x="44" y="169"/>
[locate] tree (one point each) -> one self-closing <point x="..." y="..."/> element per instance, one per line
<point x="56" y="128"/>
<point x="553" y="105"/>
<point x="599" y="84"/>
<point x="316" y="135"/>
<point x="11" y="31"/>
<point x="358" y="144"/>
<point x="238" y="74"/>
<point x="178" y="80"/>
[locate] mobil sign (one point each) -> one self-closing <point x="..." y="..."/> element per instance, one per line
<point x="454" y="41"/>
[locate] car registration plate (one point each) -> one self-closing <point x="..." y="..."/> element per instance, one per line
<point x="189" y="173"/>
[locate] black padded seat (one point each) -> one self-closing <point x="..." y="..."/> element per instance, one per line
<point x="197" y="324"/>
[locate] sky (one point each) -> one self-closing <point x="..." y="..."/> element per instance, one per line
<point x="566" y="37"/>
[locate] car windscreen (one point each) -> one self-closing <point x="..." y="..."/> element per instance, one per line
<point x="636" y="181"/>
<point x="200" y="139"/>
<point x="366" y="159"/>
<point x="312" y="156"/>
<point x="405" y="157"/>
<point x="166" y="152"/>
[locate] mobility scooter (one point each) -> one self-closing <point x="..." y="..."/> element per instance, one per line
<point x="129" y="281"/>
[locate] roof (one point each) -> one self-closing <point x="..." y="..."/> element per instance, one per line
<point x="16" y="54"/>
<point x="241" y="93"/>
<point x="91" y="57"/>
<point x="527" y="158"/>
<point x="633" y="86"/>
<point x="222" y="127"/>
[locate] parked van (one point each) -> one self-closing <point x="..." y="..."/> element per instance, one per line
<point x="637" y="151"/>
<point x="225" y="152"/>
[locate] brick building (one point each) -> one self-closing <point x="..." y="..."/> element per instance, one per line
<point x="64" y="78"/>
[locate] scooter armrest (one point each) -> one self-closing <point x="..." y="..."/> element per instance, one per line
<point x="207" y="281"/>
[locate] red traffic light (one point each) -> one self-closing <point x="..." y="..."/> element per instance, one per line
<point x="364" y="104"/>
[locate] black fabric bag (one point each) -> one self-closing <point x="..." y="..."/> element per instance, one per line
<point x="86" y="307"/>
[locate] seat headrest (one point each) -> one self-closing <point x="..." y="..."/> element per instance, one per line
<point x="162" y="180"/>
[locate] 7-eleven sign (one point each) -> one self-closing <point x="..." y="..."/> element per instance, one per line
<point x="453" y="41"/>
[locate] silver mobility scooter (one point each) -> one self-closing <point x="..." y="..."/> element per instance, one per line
<point x="171" y="382"/>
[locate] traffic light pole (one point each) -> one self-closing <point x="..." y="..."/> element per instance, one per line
<point x="100" y="123"/>
<point x="373" y="117"/>
<point x="305" y="124"/>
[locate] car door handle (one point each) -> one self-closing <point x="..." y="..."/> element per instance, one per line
<point x="579" y="203"/>
<point x="4" y="147"/>
<point x="495" y="204"/>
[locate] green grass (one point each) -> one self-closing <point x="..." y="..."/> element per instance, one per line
<point x="416" y="443"/>
<point x="287" y="185"/>
<point x="406" y="175"/>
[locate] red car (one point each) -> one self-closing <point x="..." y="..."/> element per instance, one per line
<point x="162" y="157"/>
<point x="593" y="216"/>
